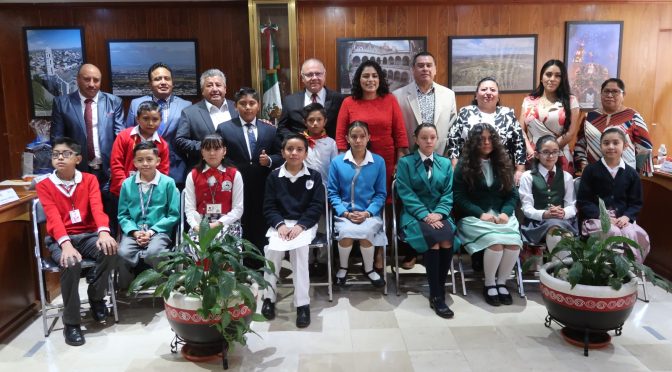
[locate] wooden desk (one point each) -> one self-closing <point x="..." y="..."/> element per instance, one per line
<point x="19" y="299"/>
<point x="655" y="218"/>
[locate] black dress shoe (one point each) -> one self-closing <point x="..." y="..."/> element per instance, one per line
<point x="378" y="283"/>
<point x="440" y="307"/>
<point x="73" y="335"/>
<point x="504" y="299"/>
<point x="342" y="281"/>
<point x="268" y="309"/>
<point x="491" y="300"/>
<point x="98" y="310"/>
<point x="303" y="316"/>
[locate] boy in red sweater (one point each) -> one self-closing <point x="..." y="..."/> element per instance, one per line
<point x="121" y="159"/>
<point x="77" y="227"/>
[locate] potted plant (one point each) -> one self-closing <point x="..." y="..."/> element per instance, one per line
<point x="210" y="296"/>
<point x="590" y="285"/>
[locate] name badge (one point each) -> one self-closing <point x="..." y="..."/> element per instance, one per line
<point x="309" y="184"/>
<point x="213" y="208"/>
<point x="227" y="186"/>
<point x="75" y="217"/>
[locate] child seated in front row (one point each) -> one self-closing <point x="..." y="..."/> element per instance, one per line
<point x="77" y="228"/>
<point x="321" y="150"/>
<point x="293" y="204"/>
<point x="214" y="191"/>
<point x="121" y="159"/>
<point x="618" y="184"/>
<point x="149" y="208"/>
<point x="547" y="195"/>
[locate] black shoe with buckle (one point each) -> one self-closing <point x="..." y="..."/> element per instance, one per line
<point x="98" y="310"/>
<point x="341" y="281"/>
<point x="73" y="335"/>
<point x="440" y="307"/>
<point x="491" y="300"/>
<point x="378" y="283"/>
<point x="268" y="309"/>
<point x="303" y="316"/>
<point x="504" y="299"/>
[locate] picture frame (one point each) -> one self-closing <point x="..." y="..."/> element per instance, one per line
<point x="592" y="55"/>
<point x="352" y="51"/>
<point x="510" y="59"/>
<point x="131" y="59"/>
<point x="53" y="58"/>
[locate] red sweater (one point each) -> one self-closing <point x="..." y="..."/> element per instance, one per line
<point x="121" y="159"/>
<point x="57" y="206"/>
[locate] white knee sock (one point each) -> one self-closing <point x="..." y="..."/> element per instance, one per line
<point x="509" y="259"/>
<point x="491" y="259"/>
<point x="552" y="241"/>
<point x="343" y="257"/>
<point x="367" y="260"/>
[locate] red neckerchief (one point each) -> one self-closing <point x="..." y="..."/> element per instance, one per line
<point x="311" y="139"/>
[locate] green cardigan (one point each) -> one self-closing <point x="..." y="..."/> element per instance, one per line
<point x="164" y="208"/>
<point x="421" y="196"/>
<point x="482" y="198"/>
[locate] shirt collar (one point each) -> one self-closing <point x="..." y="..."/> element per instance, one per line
<point x="83" y="99"/>
<point x="209" y="106"/>
<point x="423" y="156"/>
<point x="418" y="90"/>
<point x="154" y="181"/>
<point x="221" y="168"/>
<point x="154" y="138"/>
<point x="253" y="122"/>
<point x="57" y="181"/>
<point x="368" y="158"/>
<point x="621" y="164"/>
<point x="168" y="100"/>
<point x="285" y="173"/>
<point x="321" y="95"/>
<point x="542" y="171"/>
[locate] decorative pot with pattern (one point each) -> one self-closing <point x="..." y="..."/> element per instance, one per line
<point x="584" y="306"/>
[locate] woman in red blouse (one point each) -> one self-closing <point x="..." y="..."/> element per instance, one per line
<point x="372" y="103"/>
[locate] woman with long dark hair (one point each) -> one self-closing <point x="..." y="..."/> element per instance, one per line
<point x="551" y="110"/>
<point x="485" y="200"/>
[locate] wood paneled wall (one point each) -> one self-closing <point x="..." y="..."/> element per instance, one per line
<point x="319" y="25"/>
<point x="220" y="28"/>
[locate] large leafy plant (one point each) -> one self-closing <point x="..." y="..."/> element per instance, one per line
<point x="599" y="260"/>
<point x="212" y="270"/>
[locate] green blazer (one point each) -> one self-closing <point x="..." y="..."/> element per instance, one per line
<point x="421" y="196"/>
<point x="482" y="198"/>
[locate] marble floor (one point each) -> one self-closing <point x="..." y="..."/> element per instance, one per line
<point x="362" y="330"/>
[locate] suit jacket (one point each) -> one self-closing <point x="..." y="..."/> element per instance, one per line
<point x="178" y="165"/>
<point x="67" y="120"/>
<point x="194" y="125"/>
<point x="291" y="120"/>
<point x="445" y="112"/>
<point x="421" y="196"/>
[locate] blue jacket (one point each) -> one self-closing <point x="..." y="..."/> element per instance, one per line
<point x="369" y="191"/>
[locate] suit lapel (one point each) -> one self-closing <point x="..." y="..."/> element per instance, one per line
<point x="207" y="120"/>
<point x="437" y="107"/>
<point x="413" y="101"/>
<point x="420" y="169"/>
<point x="79" y="113"/>
<point x="102" y="119"/>
<point x="240" y="137"/>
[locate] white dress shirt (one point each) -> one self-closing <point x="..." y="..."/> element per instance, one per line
<point x="247" y="139"/>
<point x="527" y="198"/>
<point x="321" y="97"/>
<point x="423" y="157"/>
<point x="94" y="125"/>
<point x="218" y="114"/>
<point x="613" y="170"/>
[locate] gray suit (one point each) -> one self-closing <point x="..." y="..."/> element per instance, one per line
<point x="195" y="124"/>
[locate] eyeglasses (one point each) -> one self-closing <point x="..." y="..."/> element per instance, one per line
<point x="311" y="75"/>
<point x="66" y="154"/>
<point x="552" y="154"/>
<point x="612" y="93"/>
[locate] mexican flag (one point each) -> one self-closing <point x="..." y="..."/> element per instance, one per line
<point x="272" y="103"/>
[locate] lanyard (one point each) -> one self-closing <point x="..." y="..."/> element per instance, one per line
<point x="70" y="191"/>
<point x="143" y="207"/>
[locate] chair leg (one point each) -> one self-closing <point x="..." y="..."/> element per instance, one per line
<point x="113" y="297"/>
<point x="330" y="279"/>
<point x="384" y="248"/>
<point x="643" y="284"/>
<point x="395" y="248"/>
<point x="519" y="279"/>
<point x="461" y="268"/>
<point x="452" y="275"/>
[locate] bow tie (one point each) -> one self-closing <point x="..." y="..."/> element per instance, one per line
<point x="428" y="164"/>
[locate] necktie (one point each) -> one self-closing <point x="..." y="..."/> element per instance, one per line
<point x="549" y="179"/>
<point x="314" y="98"/>
<point x="162" y="106"/>
<point x="251" y="139"/>
<point x="88" y="120"/>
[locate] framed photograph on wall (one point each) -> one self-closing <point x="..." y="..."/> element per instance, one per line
<point x="53" y="56"/>
<point x="394" y="54"/>
<point x="130" y="60"/>
<point x="592" y="55"/>
<point x="510" y="59"/>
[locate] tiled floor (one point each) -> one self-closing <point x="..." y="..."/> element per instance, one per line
<point x="363" y="330"/>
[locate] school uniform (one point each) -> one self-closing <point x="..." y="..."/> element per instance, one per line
<point x="74" y="212"/>
<point x="121" y="160"/>
<point x="292" y="200"/>
<point x="216" y="193"/>
<point x="152" y="206"/>
<point x="539" y="189"/>
<point x="353" y="187"/>
<point x="621" y="190"/>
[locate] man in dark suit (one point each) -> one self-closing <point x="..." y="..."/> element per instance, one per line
<point x="313" y="75"/>
<point x="254" y="148"/>
<point x="203" y="118"/>
<point x="93" y="119"/>
<point x="161" y="83"/>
